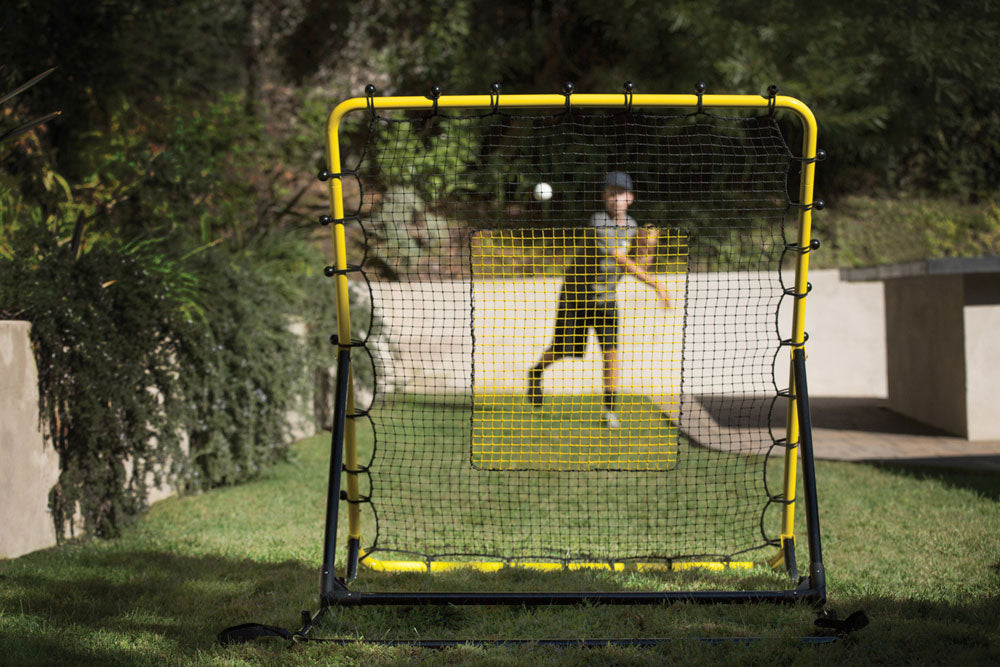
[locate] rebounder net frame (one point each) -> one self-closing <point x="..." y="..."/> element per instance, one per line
<point x="503" y="445"/>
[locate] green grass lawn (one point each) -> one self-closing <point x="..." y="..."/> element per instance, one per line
<point x="918" y="549"/>
<point x="567" y="433"/>
<point x="444" y="482"/>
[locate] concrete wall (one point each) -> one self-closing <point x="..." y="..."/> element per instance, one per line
<point x="982" y="355"/>
<point x="30" y="466"/>
<point x="925" y="336"/>
<point x="448" y="333"/>
<point x="846" y="348"/>
<point x="943" y="354"/>
<point x="982" y="371"/>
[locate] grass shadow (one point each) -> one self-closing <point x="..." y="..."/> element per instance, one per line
<point x="115" y="606"/>
<point x="901" y="631"/>
<point x="161" y="593"/>
<point x="983" y="482"/>
<point x="112" y="605"/>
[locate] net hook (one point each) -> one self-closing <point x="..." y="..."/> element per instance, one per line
<point x="699" y="89"/>
<point x="629" y="88"/>
<point x="568" y="92"/>
<point x="370" y="98"/>
<point x="819" y="157"/>
<point x="772" y="97"/>
<point x="817" y="205"/>
<point x="495" y="96"/>
<point x="434" y="95"/>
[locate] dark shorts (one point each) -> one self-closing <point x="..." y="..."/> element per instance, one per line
<point x="576" y="316"/>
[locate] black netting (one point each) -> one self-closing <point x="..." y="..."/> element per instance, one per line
<point x="469" y="274"/>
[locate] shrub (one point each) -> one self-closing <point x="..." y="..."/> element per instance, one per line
<point x="866" y="231"/>
<point x="141" y="348"/>
<point x="101" y="330"/>
<point x="241" y="371"/>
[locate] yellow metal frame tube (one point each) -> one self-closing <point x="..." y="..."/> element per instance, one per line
<point x="798" y="321"/>
<point x="336" y="189"/>
<point x="555" y="101"/>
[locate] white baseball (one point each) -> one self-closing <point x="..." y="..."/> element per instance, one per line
<point x="543" y="192"/>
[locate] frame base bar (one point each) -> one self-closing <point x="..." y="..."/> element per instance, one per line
<point x="350" y="598"/>
<point x="579" y="643"/>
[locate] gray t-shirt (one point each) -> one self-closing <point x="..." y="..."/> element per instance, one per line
<point x="594" y="273"/>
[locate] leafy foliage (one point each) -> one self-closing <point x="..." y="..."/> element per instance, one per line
<point x="138" y="391"/>
<point x="241" y="373"/>
<point x="101" y="328"/>
<point x="159" y="316"/>
<point x="431" y="152"/>
<point x="904" y="91"/>
<point x="865" y="231"/>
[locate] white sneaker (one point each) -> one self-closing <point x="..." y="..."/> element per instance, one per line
<point x="610" y="419"/>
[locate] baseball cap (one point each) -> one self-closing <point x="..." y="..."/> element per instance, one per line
<point x="618" y="179"/>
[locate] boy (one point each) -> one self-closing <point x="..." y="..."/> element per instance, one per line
<point x="587" y="299"/>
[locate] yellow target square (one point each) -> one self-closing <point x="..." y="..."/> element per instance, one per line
<point x="515" y="303"/>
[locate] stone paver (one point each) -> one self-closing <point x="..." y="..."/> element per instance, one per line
<point x="866" y="430"/>
<point x="858" y="429"/>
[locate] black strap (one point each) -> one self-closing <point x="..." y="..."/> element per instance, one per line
<point x="360" y="500"/>
<point x="790" y="291"/>
<point x="329" y="219"/>
<point x="240" y="634"/>
<point x="828" y="621"/>
<point x="355" y="342"/>
<point x="780" y="499"/>
<point x="786" y="342"/>
<point x="814" y="244"/>
<point x="629" y="88"/>
<point x="783" y="442"/>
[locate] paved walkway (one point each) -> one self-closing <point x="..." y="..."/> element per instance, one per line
<point x="866" y="430"/>
<point x="862" y="429"/>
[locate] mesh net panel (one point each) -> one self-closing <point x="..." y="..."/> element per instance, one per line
<point x="469" y="273"/>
